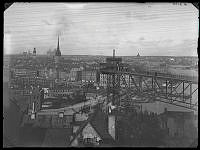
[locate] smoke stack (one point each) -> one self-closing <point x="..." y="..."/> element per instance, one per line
<point x="113" y="53"/>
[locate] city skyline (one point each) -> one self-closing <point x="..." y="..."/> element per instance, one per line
<point x="64" y="87"/>
<point x="154" y="29"/>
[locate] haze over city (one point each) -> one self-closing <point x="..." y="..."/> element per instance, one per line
<point x="152" y="29"/>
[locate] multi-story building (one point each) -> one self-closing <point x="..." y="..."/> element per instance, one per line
<point x="179" y="124"/>
<point x="20" y="92"/>
<point x="35" y="100"/>
<point x="44" y="72"/>
<point x="63" y="75"/>
<point x="28" y="99"/>
<point x="156" y="67"/>
<point x="112" y="64"/>
<point x="104" y="79"/>
<point x="25" y="82"/>
<point x="75" y="74"/>
<point x="90" y="76"/>
<point x="51" y="73"/>
<point x="94" y="66"/>
<point x="57" y="92"/>
<point x="79" y="76"/>
<point x="54" y="120"/>
<point x="24" y="72"/>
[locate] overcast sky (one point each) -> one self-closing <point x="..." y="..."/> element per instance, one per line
<point x="152" y="29"/>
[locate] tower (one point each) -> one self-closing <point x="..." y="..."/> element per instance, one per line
<point x="58" y="53"/>
<point x="34" y="52"/>
<point x="57" y="59"/>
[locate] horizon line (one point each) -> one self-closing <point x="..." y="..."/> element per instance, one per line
<point x="111" y="55"/>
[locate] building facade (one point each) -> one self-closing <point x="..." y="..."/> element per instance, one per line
<point x="75" y="74"/>
<point x="35" y="101"/>
<point x="90" y="76"/>
<point x="27" y="82"/>
<point x="179" y="124"/>
<point x="24" y="73"/>
<point x="56" y="92"/>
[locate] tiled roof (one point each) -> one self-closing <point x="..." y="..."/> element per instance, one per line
<point x="98" y="120"/>
<point x="176" y="114"/>
<point x="52" y="99"/>
<point x="57" y="137"/>
<point x="78" y="123"/>
<point x="78" y="131"/>
<point x="100" y="124"/>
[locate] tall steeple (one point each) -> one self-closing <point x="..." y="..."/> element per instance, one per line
<point x="58" y="53"/>
<point x="58" y="46"/>
<point x="57" y="59"/>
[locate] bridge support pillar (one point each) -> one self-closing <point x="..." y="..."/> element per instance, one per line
<point x="153" y="87"/>
<point x="166" y="83"/>
<point x="183" y="91"/>
<point x="140" y="83"/>
<point x="190" y="94"/>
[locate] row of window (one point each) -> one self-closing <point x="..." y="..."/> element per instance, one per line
<point x="105" y="77"/>
<point x="91" y="141"/>
<point x="59" y="90"/>
<point x="63" y="95"/>
<point x="36" y="97"/>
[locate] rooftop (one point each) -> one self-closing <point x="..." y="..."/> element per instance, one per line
<point x="57" y="137"/>
<point x="178" y="114"/>
<point x="98" y="120"/>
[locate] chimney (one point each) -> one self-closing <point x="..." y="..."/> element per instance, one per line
<point x="111" y="126"/>
<point x="113" y="53"/>
<point x="73" y="117"/>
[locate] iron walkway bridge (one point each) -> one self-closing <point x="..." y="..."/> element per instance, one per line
<point x="123" y="86"/>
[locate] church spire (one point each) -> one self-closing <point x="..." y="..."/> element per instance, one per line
<point x="58" y="53"/>
<point x="58" y="47"/>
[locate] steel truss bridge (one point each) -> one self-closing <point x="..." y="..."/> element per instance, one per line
<point x="129" y="88"/>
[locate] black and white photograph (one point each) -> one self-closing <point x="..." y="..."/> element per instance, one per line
<point x="100" y="74"/>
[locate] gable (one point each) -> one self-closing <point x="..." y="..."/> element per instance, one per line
<point x="87" y="132"/>
<point x="95" y="126"/>
<point x="90" y="132"/>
